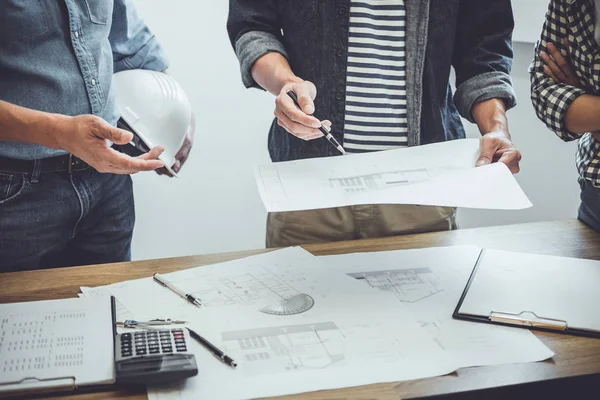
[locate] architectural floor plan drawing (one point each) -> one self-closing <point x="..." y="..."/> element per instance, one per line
<point x="384" y="180"/>
<point x="262" y="287"/>
<point x="249" y="288"/>
<point x="286" y="348"/>
<point x="430" y="289"/>
<point x="440" y="174"/>
<point x="408" y="285"/>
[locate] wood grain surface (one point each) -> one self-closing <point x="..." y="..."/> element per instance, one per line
<point x="575" y="356"/>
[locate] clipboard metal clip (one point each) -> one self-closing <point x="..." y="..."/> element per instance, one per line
<point x="32" y="385"/>
<point x="529" y="319"/>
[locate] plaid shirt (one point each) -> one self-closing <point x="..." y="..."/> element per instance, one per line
<point x="575" y="19"/>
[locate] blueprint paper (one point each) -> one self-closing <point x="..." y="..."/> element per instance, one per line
<point x="351" y="348"/>
<point x="335" y="333"/>
<point x="441" y="174"/>
<point x="429" y="282"/>
<point x="260" y="282"/>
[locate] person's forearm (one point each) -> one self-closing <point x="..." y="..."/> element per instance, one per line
<point x="490" y="116"/>
<point x="20" y="124"/>
<point x="583" y="115"/>
<point x="272" y="72"/>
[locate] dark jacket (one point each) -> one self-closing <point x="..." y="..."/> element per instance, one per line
<point x="473" y="36"/>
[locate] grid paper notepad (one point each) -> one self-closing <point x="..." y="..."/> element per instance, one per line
<point x="56" y="344"/>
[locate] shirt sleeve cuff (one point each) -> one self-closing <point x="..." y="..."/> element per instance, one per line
<point x="491" y="85"/>
<point x="151" y="57"/>
<point x="558" y="99"/>
<point x="250" y="47"/>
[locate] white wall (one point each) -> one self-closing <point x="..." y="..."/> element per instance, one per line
<point x="529" y="17"/>
<point x="548" y="174"/>
<point x="214" y="205"/>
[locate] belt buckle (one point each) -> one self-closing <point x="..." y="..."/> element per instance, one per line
<point x="71" y="162"/>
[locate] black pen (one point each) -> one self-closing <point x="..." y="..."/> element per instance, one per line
<point x="323" y="128"/>
<point x="213" y="349"/>
<point x="186" y="296"/>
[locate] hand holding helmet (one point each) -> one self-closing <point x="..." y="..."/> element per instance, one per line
<point x="154" y="107"/>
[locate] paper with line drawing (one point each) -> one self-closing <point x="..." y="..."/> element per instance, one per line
<point x="292" y="325"/>
<point x="429" y="282"/>
<point x="441" y="174"/>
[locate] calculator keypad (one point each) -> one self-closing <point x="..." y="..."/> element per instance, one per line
<point x="152" y="342"/>
<point x="179" y="339"/>
<point x="126" y="347"/>
<point x="153" y="356"/>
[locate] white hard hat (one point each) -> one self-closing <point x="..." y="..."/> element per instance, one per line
<point x="156" y="109"/>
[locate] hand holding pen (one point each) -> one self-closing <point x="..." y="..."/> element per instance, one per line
<point x="294" y="109"/>
<point x="299" y="121"/>
<point x="325" y="130"/>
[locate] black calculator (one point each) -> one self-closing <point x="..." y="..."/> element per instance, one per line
<point x="153" y="356"/>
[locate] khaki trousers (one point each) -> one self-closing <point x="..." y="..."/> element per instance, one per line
<point x="355" y="222"/>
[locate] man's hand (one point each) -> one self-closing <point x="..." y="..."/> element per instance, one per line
<point x="496" y="144"/>
<point x="88" y="136"/>
<point x="497" y="147"/>
<point x="299" y="123"/>
<point x="558" y="67"/>
<point x="273" y="73"/>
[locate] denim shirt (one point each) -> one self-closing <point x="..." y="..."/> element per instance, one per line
<point x="59" y="56"/>
<point x="473" y="36"/>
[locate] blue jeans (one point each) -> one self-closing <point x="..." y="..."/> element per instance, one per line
<point x="589" y="210"/>
<point x="58" y="219"/>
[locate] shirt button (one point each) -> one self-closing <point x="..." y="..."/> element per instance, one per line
<point x="76" y="34"/>
<point x="340" y="53"/>
<point x="342" y="11"/>
<point x="93" y="82"/>
<point x="339" y="96"/>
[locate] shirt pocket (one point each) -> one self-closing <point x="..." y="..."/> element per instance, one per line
<point x="298" y="12"/>
<point x="22" y="19"/>
<point x="99" y="11"/>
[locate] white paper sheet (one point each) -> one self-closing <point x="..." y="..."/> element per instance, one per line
<point x="56" y="339"/>
<point x="430" y="282"/>
<point x="551" y="287"/>
<point x="121" y="313"/>
<point x="441" y="174"/>
<point x="337" y="333"/>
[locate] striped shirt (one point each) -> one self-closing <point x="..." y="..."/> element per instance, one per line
<point x="375" y="116"/>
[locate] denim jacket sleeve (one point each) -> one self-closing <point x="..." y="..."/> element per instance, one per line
<point x="483" y="54"/>
<point x="134" y="46"/>
<point x="254" y="31"/>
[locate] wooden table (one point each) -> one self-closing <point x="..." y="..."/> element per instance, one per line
<point x="575" y="356"/>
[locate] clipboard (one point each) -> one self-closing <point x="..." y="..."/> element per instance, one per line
<point x="60" y="384"/>
<point x="524" y="316"/>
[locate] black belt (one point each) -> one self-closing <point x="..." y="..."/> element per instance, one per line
<point x="67" y="163"/>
